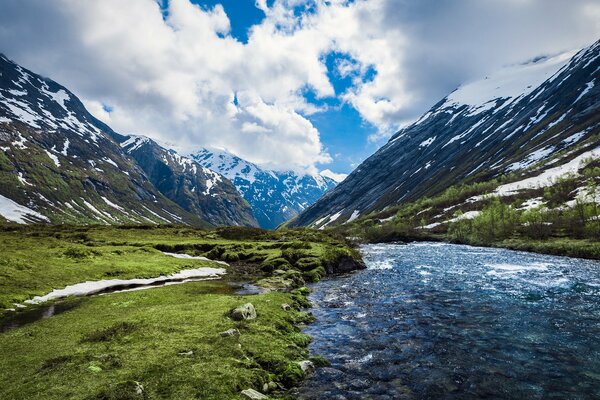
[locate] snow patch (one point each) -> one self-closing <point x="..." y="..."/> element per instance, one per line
<point x="15" y="212"/>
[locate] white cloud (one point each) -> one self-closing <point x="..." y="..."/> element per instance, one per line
<point x="183" y="79"/>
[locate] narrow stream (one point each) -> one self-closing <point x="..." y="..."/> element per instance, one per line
<point x="441" y="321"/>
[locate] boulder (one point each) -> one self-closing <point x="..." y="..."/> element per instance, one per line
<point x="243" y="312"/>
<point x="230" y="332"/>
<point x="286" y="307"/>
<point x="253" y="394"/>
<point x="306" y="366"/>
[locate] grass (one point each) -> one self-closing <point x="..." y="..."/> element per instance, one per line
<point x="161" y="343"/>
<point x="165" y="339"/>
<point x="37" y="259"/>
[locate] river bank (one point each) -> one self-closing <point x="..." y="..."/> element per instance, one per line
<point x="175" y="341"/>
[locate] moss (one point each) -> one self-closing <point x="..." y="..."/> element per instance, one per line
<point x="315" y="275"/>
<point x="113" y="332"/>
<point x="165" y="339"/>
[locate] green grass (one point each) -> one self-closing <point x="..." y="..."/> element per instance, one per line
<point x="92" y="351"/>
<point x="165" y="340"/>
<point x="37" y="259"/>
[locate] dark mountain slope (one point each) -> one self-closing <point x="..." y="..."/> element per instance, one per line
<point x="504" y="123"/>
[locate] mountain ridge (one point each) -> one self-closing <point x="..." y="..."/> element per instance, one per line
<point x="60" y="164"/>
<point x="275" y="196"/>
<point x="455" y="141"/>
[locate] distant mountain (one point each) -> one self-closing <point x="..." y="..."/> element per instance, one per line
<point x="274" y="196"/>
<point x="59" y="164"/>
<point x="195" y="188"/>
<point x="502" y="126"/>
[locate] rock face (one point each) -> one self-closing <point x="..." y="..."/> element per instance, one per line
<point x="504" y="123"/>
<point x="244" y="312"/>
<point x="195" y="188"/>
<point x="59" y="164"/>
<point x="274" y="196"/>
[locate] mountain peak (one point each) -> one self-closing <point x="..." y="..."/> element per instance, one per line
<point x="275" y="196"/>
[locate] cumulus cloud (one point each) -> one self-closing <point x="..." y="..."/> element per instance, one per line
<point x="180" y="77"/>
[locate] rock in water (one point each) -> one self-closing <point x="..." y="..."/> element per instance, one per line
<point x="253" y="394"/>
<point x="244" y="312"/>
<point x="307" y="366"/>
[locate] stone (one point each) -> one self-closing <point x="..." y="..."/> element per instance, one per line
<point x="306" y="366"/>
<point x="286" y="307"/>
<point x="230" y="332"/>
<point x="244" y="312"/>
<point x="186" y="353"/>
<point x="253" y="394"/>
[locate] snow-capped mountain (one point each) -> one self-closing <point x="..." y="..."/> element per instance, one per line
<point x="195" y="188"/>
<point x="510" y="122"/>
<point x="274" y="196"/>
<point x="59" y="164"/>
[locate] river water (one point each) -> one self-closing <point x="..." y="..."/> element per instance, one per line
<point x="442" y="321"/>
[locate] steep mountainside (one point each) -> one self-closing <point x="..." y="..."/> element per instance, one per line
<point x="59" y="164"/>
<point x="196" y="188"/>
<point x="275" y="196"/>
<point x="507" y="125"/>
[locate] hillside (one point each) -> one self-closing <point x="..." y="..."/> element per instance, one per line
<point x="538" y="118"/>
<point x="59" y="164"/>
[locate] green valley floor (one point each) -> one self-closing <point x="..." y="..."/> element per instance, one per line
<point x="171" y="342"/>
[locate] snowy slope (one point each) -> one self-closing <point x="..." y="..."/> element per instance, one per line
<point x="511" y="121"/>
<point x="59" y="164"/>
<point x="274" y="196"/>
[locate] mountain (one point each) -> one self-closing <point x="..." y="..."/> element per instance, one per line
<point x="274" y="196"/>
<point x="511" y="125"/>
<point x="59" y="164"/>
<point x="195" y="188"/>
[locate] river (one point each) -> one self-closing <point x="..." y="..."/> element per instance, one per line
<point x="442" y="321"/>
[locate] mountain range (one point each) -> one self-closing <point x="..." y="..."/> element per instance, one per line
<point x="59" y="164"/>
<point x="516" y="124"/>
<point x="275" y="196"/>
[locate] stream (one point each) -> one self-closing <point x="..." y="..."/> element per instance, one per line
<point x="443" y="321"/>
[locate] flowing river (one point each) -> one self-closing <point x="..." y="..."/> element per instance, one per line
<point x="442" y="321"/>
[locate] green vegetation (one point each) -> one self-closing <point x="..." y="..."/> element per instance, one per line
<point x="563" y="220"/>
<point x="166" y="342"/>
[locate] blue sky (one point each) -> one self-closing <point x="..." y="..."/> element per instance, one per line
<point x="316" y="84"/>
<point x="344" y="133"/>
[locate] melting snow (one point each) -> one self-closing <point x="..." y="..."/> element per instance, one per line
<point x="510" y="82"/>
<point x="547" y="177"/>
<point x="94" y="287"/>
<point x="15" y="212"/>
<point x="53" y="158"/>
<point x="588" y="87"/>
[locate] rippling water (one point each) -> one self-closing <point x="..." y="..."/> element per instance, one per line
<point x="441" y="321"/>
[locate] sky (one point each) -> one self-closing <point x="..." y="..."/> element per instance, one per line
<point x="309" y="85"/>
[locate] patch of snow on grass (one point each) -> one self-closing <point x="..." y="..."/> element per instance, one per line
<point x="355" y="214"/>
<point x="95" y="287"/>
<point x="15" y="212"/>
<point x="547" y="177"/>
<point x="53" y="158"/>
